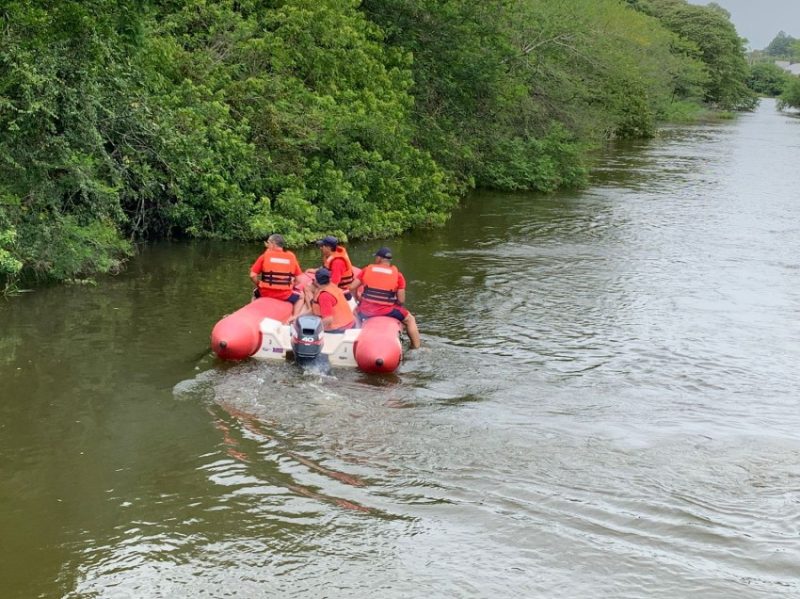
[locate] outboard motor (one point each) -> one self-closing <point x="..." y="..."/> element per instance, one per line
<point x="307" y="337"/>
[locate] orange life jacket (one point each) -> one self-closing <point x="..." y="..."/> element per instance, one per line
<point x="347" y="275"/>
<point x="342" y="314"/>
<point x="277" y="269"/>
<point x="380" y="283"/>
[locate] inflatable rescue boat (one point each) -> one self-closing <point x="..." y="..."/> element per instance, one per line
<point x="260" y="330"/>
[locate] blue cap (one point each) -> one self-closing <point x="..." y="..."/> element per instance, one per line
<point x="384" y="252"/>
<point x="322" y="276"/>
<point x="328" y="240"/>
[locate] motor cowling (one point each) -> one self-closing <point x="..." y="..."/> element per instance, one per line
<point x="307" y="337"/>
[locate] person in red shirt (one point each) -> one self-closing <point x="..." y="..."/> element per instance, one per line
<point x="273" y="273"/>
<point x="381" y="289"/>
<point x="328" y="302"/>
<point x="335" y="259"/>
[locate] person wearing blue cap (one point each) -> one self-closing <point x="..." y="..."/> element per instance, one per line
<point x="328" y="302"/>
<point x="335" y="259"/>
<point x="382" y="291"/>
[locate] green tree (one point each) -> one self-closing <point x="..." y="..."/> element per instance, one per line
<point x="59" y="212"/>
<point x="231" y="118"/>
<point x="510" y="94"/>
<point x="790" y="98"/>
<point x="210" y="118"/>
<point x="767" y="79"/>
<point x="794" y="51"/>
<point x="712" y="39"/>
<point x="781" y="46"/>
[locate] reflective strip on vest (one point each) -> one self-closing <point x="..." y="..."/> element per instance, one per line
<point x="278" y="273"/>
<point x="380" y="284"/>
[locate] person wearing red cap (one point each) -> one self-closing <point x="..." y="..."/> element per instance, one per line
<point x="335" y="259"/>
<point x="381" y="288"/>
<point x="274" y="271"/>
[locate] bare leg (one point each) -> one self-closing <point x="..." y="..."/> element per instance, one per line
<point x="305" y="302"/>
<point x="413" y="331"/>
<point x="297" y="308"/>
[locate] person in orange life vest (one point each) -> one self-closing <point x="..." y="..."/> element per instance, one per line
<point x="383" y="292"/>
<point x="274" y="271"/>
<point x="329" y="303"/>
<point x="335" y="259"/>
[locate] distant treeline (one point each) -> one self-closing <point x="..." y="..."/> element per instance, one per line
<point x="123" y="121"/>
<point x="768" y="79"/>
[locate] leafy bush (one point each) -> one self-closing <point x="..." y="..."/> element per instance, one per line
<point x="790" y="98"/>
<point x="213" y="118"/>
<point x="9" y="264"/>
<point x="767" y="79"/>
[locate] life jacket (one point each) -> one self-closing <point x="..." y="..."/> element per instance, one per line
<point x="380" y="283"/>
<point x="342" y="314"/>
<point x="277" y="269"/>
<point x="347" y="275"/>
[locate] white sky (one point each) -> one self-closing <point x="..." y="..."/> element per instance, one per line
<point x="760" y="20"/>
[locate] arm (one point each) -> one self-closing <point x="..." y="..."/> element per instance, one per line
<point x="337" y="270"/>
<point x="297" y="270"/>
<point x="354" y="287"/>
<point x="401" y="290"/>
<point x="255" y="270"/>
<point x="326" y="304"/>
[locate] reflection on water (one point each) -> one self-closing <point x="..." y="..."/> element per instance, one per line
<point x="605" y="406"/>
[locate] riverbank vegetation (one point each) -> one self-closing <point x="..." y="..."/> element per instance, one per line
<point x="790" y="97"/>
<point x="770" y="71"/>
<point x="783" y="47"/>
<point x="769" y="79"/>
<point x="230" y="119"/>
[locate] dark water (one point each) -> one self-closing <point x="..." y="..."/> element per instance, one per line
<point x="608" y="405"/>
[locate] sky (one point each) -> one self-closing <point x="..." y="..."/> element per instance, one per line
<point x="760" y="20"/>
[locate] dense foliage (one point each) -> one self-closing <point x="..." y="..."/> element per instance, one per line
<point x="234" y="118"/>
<point x="508" y="93"/>
<point x="790" y="98"/>
<point x="713" y="39"/>
<point x="783" y="46"/>
<point x="767" y="79"/>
